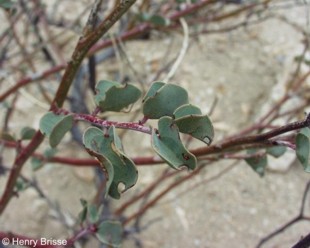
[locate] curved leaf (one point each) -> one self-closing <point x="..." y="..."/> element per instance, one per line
<point x="107" y="148"/>
<point x="167" y="144"/>
<point x="112" y="96"/>
<point x="91" y="139"/>
<point x="163" y="99"/>
<point x="189" y="120"/>
<point x="60" y="130"/>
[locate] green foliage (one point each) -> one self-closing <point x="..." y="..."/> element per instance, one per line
<point x="27" y="133"/>
<point x="258" y="162"/>
<point x="156" y="20"/>
<point x="21" y="185"/>
<point x="167" y="144"/>
<point x="112" y="96"/>
<point x="37" y="163"/>
<point x="166" y="102"/>
<point x="190" y="120"/>
<point x="90" y="212"/>
<point x="110" y="233"/>
<point x="83" y="214"/>
<point x="163" y="99"/>
<point x="303" y="148"/>
<point x="55" y="126"/>
<point x="276" y="151"/>
<point x="6" y="4"/>
<point x="107" y="148"/>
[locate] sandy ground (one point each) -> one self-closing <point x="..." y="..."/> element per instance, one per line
<point x="241" y="69"/>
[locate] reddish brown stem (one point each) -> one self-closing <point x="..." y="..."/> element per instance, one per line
<point x="79" y="53"/>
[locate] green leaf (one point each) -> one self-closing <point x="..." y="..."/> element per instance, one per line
<point x="258" y="164"/>
<point x="27" y="133"/>
<point x="91" y="139"/>
<point x="110" y="233"/>
<point x="157" y="20"/>
<point x="185" y="110"/>
<point x="163" y="99"/>
<point x="6" y="4"/>
<point x="112" y="96"/>
<point x="189" y="120"/>
<point x="36" y="163"/>
<point x="276" y="151"/>
<point x="83" y="214"/>
<point x="107" y="148"/>
<point x="21" y="184"/>
<point x="303" y="148"/>
<point x="93" y="213"/>
<point x="55" y="126"/>
<point x="49" y="153"/>
<point x="167" y="144"/>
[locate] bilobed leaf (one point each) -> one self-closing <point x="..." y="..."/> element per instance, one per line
<point x="108" y="150"/>
<point x="110" y="233"/>
<point x="113" y="96"/>
<point x="189" y="120"/>
<point x="27" y="133"/>
<point x="167" y="144"/>
<point x="55" y="126"/>
<point x="163" y="99"/>
<point x="276" y="151"/>
<point x="303" y="148"/>
<point x="257" y="163"/>
<point x="91" y="140"/>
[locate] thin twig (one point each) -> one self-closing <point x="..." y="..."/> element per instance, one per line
<point x="82" y="47"/>
<point x="304" y="243"/>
